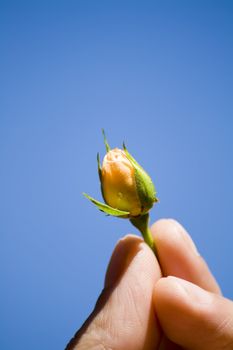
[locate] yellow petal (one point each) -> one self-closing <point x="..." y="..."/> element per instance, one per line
<point x="118" y="182"/>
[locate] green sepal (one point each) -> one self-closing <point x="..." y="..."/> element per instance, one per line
<point x="106" y="142"/>
<point x="145" y="187"/>
<point x="107" y="209"/>
<point x="100" y="174"/>
<point x="99" y="167"/>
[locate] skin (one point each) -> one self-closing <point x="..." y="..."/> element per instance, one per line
<point x="171" y="304"/>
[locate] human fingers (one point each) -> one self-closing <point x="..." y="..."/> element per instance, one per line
<point x="192" y="317"/>
<point x="178" y="255"/>
<point x="124" y="316"/>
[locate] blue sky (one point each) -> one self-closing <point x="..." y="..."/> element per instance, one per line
<point x="155" y="74"/>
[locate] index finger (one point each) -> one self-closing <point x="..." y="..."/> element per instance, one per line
<point x="178" y="255"/>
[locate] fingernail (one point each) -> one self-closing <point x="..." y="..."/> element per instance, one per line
<point x="122" y="256"/>
<point x="188" y="240"/>
<point x="191" y="291"/>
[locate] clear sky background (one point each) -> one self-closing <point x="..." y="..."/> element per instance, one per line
<point x="156" y="74"/>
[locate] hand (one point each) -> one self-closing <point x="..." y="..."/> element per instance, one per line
<point x="141" y="310"/>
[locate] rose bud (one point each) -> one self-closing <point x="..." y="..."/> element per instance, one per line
<point x="127" y="189"/>
<point x="125" y="185"/>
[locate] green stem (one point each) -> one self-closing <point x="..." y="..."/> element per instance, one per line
<point x="142" y="224"/>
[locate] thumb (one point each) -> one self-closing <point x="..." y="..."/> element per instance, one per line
<point x="124" y="316"/>
<point x="192" y="317"/>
